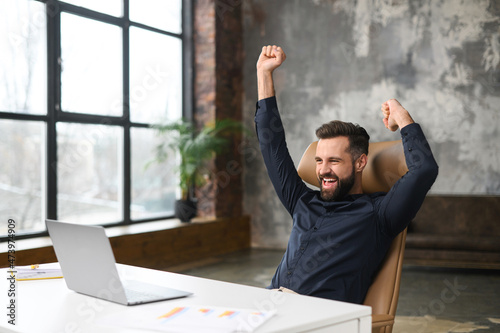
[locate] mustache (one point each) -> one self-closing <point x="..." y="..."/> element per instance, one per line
<point x="328" y="175"/>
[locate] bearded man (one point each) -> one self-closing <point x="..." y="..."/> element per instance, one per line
<point x="339" y="235"/>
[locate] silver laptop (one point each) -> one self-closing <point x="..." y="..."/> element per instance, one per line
<point x="88" y="266"/>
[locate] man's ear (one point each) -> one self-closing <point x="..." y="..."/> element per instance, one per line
<point x="361" y="163"/>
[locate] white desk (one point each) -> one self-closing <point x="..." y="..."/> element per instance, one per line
<point x="49" y="306"/>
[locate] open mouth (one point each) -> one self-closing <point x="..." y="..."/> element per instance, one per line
<point x="327" y="183"/>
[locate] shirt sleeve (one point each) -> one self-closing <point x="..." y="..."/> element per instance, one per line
<point x="280" y="168"/>
<point x="405" y="198"/>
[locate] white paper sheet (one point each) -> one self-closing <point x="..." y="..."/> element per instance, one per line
<point x="181" y="319"/>
<point x="43" y="271"/>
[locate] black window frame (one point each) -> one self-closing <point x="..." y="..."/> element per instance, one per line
<point x="55" y="115"/>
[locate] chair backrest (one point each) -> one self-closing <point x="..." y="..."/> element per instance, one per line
<point x="383" y="293"/>
<point x="386" y="164"/>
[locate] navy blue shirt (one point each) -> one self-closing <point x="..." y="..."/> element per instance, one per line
<point x="336" y="247"/>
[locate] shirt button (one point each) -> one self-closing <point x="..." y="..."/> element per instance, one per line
<point x="315" y="228"/>
<point x="289" y="273"/>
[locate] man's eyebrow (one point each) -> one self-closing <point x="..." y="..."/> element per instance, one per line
<point x="329" y="158"/>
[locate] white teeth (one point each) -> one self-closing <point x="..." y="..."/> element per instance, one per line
<point x="328" y="180"/>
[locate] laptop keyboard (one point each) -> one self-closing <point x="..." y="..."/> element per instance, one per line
<point x="140" y="296"/>
<point x="138" y="292"/>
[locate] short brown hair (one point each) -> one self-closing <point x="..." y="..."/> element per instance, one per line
<point x="357" y="135"/>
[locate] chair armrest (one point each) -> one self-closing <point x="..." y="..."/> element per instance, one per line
<point x="382" y="320"/>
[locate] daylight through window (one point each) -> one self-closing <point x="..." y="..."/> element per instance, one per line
<point x="81" y="84"/>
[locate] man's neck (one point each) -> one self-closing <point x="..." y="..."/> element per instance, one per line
<point x="357" y="188"/>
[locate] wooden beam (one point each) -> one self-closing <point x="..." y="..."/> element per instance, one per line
<point x="161" y="249"/>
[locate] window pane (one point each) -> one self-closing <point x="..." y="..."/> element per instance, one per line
<point x="153" y="188"/>
<point x="23" y="57"/>
<point x="161" y="14"/>
<point x="21" y="170"/>
<point x="89" y="173"/>
<point x="111" y="7"/>
<point x="155" y="77"/>
<point x="91" y="79"/>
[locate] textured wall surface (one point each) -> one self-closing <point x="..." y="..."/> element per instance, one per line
<point x="440" y="59"/>
<point x="218" y="90"/>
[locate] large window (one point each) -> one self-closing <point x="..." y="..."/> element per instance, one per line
<point x="81" y="82"/>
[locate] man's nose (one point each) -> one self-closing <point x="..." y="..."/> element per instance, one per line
<point x="324" y="169"/>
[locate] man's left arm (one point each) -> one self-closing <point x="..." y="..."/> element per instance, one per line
<point x="405" y="198"/>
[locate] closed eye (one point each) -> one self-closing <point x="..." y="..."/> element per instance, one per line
<point x="333" y="160"/>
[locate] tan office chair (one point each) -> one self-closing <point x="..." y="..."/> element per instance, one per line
<point x="386" y="164"/>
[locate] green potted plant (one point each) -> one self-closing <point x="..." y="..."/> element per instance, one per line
<point x="195" y="147"/>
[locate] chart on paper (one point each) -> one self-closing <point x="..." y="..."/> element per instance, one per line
<point x="182" y="319"/>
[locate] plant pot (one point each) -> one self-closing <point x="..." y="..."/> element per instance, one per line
<point x="185" y="210"/>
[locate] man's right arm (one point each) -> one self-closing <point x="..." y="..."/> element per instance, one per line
<point x="270" y="132"/>
<point x="270" y="58"/>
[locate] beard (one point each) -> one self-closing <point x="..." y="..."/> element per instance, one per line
<point x="343" y="187"/>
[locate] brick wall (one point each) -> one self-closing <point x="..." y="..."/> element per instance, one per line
<point x="218" y="93"/>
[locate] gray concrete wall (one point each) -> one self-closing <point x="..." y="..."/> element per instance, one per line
<point x="440" y="59"/>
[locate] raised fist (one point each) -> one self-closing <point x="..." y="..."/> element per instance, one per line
<point x="390" y="110"/>
<point x="270" y="58"/>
